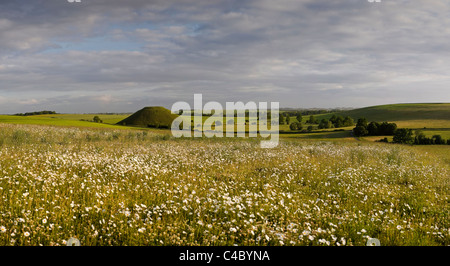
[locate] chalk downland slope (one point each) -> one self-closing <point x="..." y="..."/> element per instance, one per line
<point x="153" y="116"/>
<point x="416" y="115"/>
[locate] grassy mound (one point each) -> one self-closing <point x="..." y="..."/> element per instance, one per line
<point x="154" y="116"/>
<point x="403" y="112"/>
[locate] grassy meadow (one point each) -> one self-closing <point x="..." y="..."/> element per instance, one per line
<point x="66" y="120"/>
<point x="404" y="112"/>
<point x="140" y="187"/>
<point x="63" y="176"/>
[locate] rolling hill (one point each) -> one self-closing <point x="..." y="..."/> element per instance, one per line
<point x="65" y="120"/>
<point x="417" y="115"/>
<point x="153" y="116"/>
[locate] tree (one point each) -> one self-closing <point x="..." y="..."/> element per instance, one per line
<point x="310" y="128"/>
<point x="361" y="127"/>
<point x="325" y="123"/>
<point x="282" y="120"/>
<point x="97" y="119"/>
<point x="329" y="125"/>
<point x="338" y="122"/>
<point x="299" y="117"/>
<point x="362" y="122"/>
<point x="437" y="139"/>
<point x="403" y="136"/>
<point x="348" y="121"/>
<point x="360" y="131"/>
<point x="312" y="120"/>
<point x="296" y="126"/>
<point x="386" y="128"/>
<point x="333" y="119"/>
<point x="372" y="129"/>
<point x="419" y="138"/>
<point x="288" y="119"/>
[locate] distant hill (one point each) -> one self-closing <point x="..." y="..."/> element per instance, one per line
<point x="154" y="116"/>
<point x="402" y="112"/>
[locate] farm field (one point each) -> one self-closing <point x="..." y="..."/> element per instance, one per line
<point x="445" y="133"/>
<point x="430" y="118"/>
<point x="65" y="120"/>
<point x="403" y="112"/>
<point x="138" y="187"/>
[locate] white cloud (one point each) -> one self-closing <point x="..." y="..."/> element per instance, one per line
<point x="303" y="53"/>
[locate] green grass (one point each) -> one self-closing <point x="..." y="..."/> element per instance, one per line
<point x="155" y="116"/>
<point x="113" y="185"/>
<point x="320" y="135"/>
<point x="431" y="118"/>
<point x="406" y="115"/>
<point x="420" y="115"/>
<point x="438" y="152"/>
<point x="66" y="120"/>
<point x="106" y="118"/>
<point x="133" y="187"/>
<point x="445" y="133"/>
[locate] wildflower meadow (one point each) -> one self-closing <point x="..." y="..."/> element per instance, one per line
<point x="137" y="187"/>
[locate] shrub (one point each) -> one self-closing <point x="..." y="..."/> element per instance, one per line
<point x="403" y="136"/>
<point x="383" y="140"/>
<point x="97" y="119"/>
<point x="296" y="126"/>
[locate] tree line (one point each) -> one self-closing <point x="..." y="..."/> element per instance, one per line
<point x="420" y="139"/>
<point x="400" y="135"/>
<point x="336" y="121"/>
<point x="37" y="113"/>
<point x="406" y="136"/>
<point x="363" y="128"/>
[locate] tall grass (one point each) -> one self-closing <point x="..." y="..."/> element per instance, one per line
<point x="109" y="187"/>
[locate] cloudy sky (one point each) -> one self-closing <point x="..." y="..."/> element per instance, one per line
<point x="122" y="55"/>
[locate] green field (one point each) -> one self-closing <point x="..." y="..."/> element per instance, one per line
<point x="445" y="133"/>
<point x="431" y="118"/>
<point x="320" y="135"/>
<point x="133" y="187"/>
<point x="74" y="120"/>
<point x="433" y="115"/>
<point x="107" y="184"/>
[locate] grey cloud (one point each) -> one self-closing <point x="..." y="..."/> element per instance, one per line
<point x="302" y="53"/>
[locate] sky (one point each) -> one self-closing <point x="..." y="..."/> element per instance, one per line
<point x="120" y="56"/>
